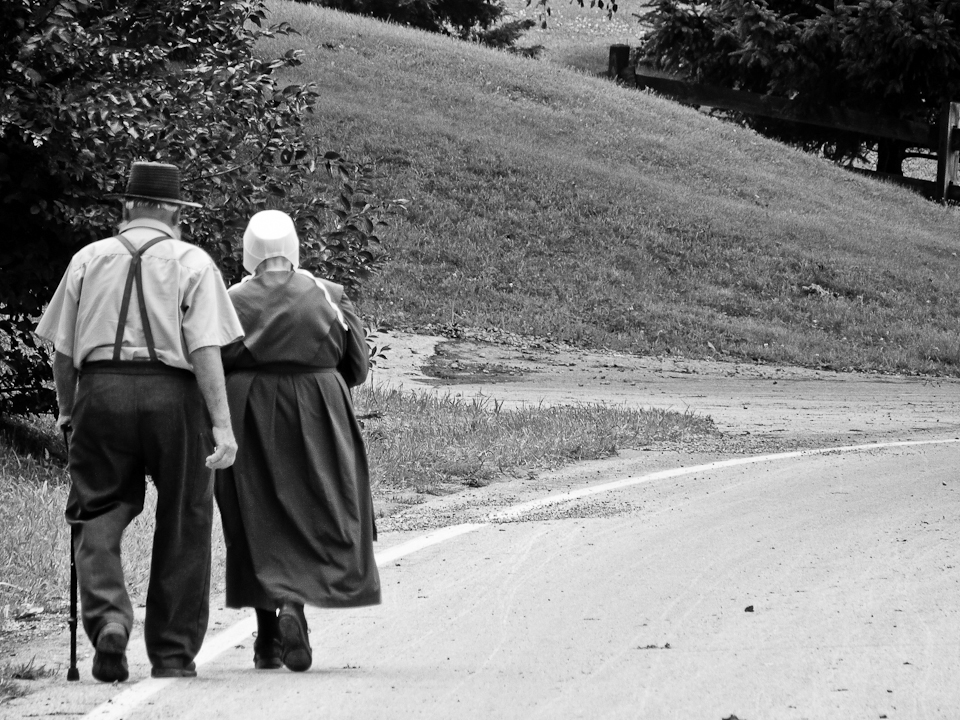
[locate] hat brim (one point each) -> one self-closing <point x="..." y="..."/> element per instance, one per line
<point x="166" y="201"/>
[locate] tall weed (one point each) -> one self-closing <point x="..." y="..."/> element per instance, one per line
<point x="429" y="443"/>
<point x="34" y="545"/>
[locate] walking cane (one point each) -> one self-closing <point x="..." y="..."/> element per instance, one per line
<point x="72" y="673"/>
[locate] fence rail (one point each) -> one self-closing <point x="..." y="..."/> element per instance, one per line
<point x="943" y="138"/>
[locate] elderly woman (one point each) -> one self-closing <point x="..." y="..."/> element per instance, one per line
<point x="296" y="505"/>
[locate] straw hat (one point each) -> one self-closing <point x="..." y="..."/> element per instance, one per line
<point x="270" y="233"/>
<point x="159" y="182"/>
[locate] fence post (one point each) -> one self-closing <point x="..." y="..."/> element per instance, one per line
<point x="948" y="149"/>
<point x="619" y="60"/>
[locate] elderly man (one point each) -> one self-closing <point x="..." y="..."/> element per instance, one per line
<point x="137" y="324"/>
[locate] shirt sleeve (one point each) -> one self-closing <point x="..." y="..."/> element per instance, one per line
<point x="208" y="315"/>
<point x="355" y="363"/>
<point x="58" y="324"/>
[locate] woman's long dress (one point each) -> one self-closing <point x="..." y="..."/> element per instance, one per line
<point x="296" y="505"/>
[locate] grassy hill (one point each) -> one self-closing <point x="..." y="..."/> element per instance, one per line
<point x="549" y="202"/>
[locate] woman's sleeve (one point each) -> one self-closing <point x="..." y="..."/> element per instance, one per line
<point x="355" y="363"/>
<point x="230" y="354"/>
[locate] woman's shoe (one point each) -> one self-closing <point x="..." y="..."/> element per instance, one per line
<point x="266" y="655"/>
<point x="267" y="648"/>
<point x="296" y="654"/>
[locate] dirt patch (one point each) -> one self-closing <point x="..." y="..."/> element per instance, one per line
<point x="790" y="406"/>
<point x="454" y="363"/>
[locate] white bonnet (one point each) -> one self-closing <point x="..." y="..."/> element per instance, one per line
<point x="270" y="233"/>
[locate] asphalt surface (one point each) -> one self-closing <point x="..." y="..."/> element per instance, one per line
<point x="816" y="585"/>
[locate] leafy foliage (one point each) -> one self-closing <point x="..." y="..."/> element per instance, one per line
<point x="88" y="87"/>
<point x="348" y="251"/>
<point x="473" y="20"/>
<point x="544" y="9"/>
<point x="898" y="58"/>
<point x="505" y="37"/>
<point x="439" y="16"/>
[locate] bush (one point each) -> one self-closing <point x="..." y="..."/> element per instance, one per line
<point x="88" y="87"/>
<point x="897" y="58"/>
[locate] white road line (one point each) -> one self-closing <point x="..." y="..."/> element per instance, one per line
<point x="523" y="508"/>
<point x="434" y="538"/>
<point x="123" y="704"/>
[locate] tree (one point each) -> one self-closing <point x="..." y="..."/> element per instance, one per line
<point x="88" y="87"/>
<point x="899" y="58"/>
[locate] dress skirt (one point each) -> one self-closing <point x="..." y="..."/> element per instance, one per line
<point x="296" y="506"/>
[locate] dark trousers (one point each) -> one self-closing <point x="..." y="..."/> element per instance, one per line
<point x="128" y="424"/>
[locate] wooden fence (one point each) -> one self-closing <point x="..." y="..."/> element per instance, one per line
<point x="943" y="138"/>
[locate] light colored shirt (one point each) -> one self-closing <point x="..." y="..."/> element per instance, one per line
<point x="187" y="302"/>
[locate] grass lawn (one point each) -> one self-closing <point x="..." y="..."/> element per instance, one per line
<point x="549" y="202"/>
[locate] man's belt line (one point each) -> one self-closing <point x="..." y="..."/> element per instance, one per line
<point x="132" y="367"/>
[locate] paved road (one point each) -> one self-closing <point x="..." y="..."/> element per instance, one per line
<point x="636" y="603"/>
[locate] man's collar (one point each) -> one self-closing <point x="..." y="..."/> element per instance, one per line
<point x="149" y="223"/>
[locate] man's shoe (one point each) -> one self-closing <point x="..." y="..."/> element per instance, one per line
<point x="110" y="658"/>
<point x="296" y="653"/>
<point x="175" y="671"/>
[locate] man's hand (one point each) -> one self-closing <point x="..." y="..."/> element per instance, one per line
<point x="209" y="371"/>
<point x="65" y="421"/>
<point x="226" y="448"/>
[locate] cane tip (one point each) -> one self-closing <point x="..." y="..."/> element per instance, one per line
<point x="73" y="675"/>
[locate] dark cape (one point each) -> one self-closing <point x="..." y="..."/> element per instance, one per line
<point x="296" y="505"/>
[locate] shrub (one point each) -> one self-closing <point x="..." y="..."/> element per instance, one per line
<point x="890" y="57"/>
<point x="88" y="87"/>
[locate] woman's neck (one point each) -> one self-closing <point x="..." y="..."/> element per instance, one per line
<point x="274" y="264"/>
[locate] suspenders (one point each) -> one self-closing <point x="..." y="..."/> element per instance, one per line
<point x="135" y="274"/>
